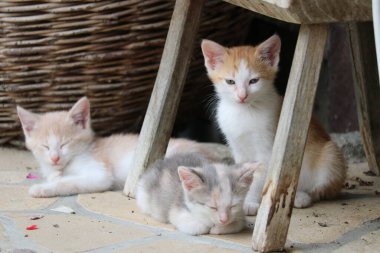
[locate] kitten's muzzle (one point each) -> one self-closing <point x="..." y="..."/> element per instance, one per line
<point x="223" y="218"/>
<point x="55" y="159"/>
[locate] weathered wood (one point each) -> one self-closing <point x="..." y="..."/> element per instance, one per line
<point x="166" y="94"/>
<point x="310" y="11"/>
<point x="367" y="90"/>
<point x="376" y="28"/>
<point x="275" y="211"/>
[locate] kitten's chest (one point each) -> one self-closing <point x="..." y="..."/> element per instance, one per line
<point x="84" y="164"/>
<point x="244" y="121"/>
<point x="249" y="133"/>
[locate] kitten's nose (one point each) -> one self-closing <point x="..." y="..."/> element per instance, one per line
<point x="223" y="218"/>
<point x="242" y="98"/>
<point x="55" y="159"/>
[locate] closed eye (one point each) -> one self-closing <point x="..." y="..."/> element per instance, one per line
<point x="254" y="80"/>
<point x="213" y="207"/>
<point x="235" y="205"/>
<point x="45" y="146"/>
<point x="64" y="144"/>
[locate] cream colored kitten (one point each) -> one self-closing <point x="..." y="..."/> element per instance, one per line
<point x="248" y="113"/>
<point x="73" y="161"/>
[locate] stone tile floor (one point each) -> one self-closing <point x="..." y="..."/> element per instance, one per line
<point x="111" y="222"/>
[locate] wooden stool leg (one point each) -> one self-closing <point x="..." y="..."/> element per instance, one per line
<point x="166" y="94"/>
<point x="273" y="218"/>
<point x="367" y="90"/>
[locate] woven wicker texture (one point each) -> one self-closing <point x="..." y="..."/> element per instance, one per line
<point x="53" y="52"/>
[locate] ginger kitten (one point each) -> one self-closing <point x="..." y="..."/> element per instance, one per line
<point x="194" y="195"/>
<point x="73" y="160"/>
<point x="248" y="111"/>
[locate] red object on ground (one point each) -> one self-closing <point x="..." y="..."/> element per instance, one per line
<point x="32" y="227"/>
<point x="32" y="176"/>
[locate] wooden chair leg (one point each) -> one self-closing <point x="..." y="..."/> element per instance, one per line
<point x="166" y="94"/>
<point x="273" y="218"/>
<point x="367" y="89"/>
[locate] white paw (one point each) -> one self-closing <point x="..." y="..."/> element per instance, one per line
<point x="250" y="208"/>
<point x="217" y="230"/>
<point x="41" y="191"/>
<point x="193" y="229"/>
<point x="302" y="200"/>
<point x="231" y="228"/>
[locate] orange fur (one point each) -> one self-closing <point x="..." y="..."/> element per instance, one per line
<point x="231" y="60"/>
<point x="69" y="153"/>
<point x="248" y="114"/>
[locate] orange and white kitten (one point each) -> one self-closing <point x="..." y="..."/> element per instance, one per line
<point x="73" y="161"/>
<point x="248" y="112"/>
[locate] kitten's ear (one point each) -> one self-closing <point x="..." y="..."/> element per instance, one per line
<point x="190" y="178"/>
<point x="246" y="173"/>
<point x="269" y="51"/>
<point x="80" y="113"/>
<point x="213" y="54"/>
<point x="28" y="120"/>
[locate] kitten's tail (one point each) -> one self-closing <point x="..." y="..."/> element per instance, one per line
<point x="332" y="172"/>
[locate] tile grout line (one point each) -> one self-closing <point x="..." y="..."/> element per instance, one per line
<point x="346" y="238"/>
<point x="17" y="237"/>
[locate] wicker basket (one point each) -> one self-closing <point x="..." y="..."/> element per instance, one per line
<point x="52" y="52"/>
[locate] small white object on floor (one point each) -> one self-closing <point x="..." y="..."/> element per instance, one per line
<point x="63" y="209"/>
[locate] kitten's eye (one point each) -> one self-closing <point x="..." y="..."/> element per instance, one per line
<point x="230" y="81"/>
<point x="253" y="80"/>
<point x="213" y="208"/>
<point x="45" y="146"/>
<point x="64" y="144"/>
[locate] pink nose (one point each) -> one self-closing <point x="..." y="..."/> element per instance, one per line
<point x="55" y="159"/>
<point x="223" y="219"/>
<point x="243" y="98"/>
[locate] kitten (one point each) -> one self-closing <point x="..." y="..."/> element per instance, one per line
<point x="197" y="197"/>
<point x="248" y="111"/>
<point x="73" y="161"/>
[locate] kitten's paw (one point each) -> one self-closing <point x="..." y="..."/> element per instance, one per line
<point x="217" y="230"/>
<point x="302" y="200"/>
<point x="193" y="228"/>
<point x="234" y="227"/>
<point x="200" y="230"/>
<point x="250" y="208"/>
<point x="41" y="191"/>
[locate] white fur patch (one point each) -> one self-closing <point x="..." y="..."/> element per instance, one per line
<point x="52" y="140"/>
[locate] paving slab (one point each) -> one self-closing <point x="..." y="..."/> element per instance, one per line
<point x="3" y="235"/>
<point x="327" y="221"/>
<point x="117" y="205"/>
<point x="369" y="243"/>
<point x="13" y="177"/>
<point x="176" y="246"/>
<point x="111" y="222"/>
<point x="13" y="159"/>
<point x="16" y="198"/>
<point x="74" y="233"/>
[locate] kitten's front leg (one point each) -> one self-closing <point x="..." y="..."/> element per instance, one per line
<point x="54" y="176"/>
<point x="253" y="197"/>
<point x="231" y="228"/>
<point x="71" y="185"/>
<point x="44" y="190"/>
